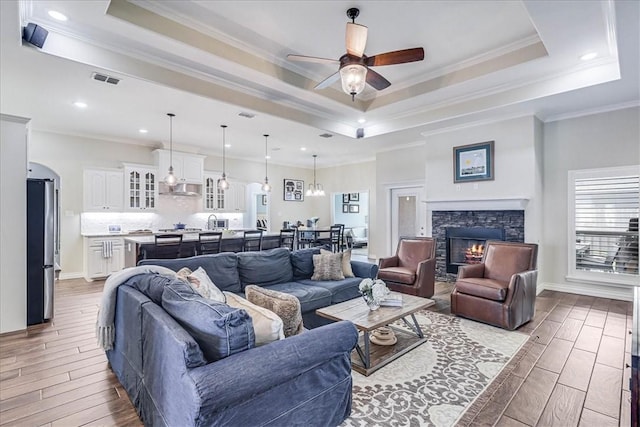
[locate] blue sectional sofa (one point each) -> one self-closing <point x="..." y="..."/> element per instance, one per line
<point x="303" y="380"/>
<point x="278" y="269"/>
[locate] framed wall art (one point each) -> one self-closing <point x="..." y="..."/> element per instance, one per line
<point x="354" y="208"/>
<point x="345" y="208"/>
<point x="345" y="198"/>
<point x="293" y="190"/>
<point x="354" y="197"/>
<point x="473" y="162"/>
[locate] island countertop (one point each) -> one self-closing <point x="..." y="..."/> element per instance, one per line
<point x="143" y="239"/>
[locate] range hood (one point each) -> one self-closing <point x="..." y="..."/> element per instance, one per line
<point x="181" y="189"/>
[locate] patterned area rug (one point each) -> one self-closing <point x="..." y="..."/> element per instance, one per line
<point x="433" y="384"/>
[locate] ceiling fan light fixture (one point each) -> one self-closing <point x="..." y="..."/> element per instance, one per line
<point x="354" y="78"/>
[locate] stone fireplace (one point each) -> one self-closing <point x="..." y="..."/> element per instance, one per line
<point x="476" y="226"/>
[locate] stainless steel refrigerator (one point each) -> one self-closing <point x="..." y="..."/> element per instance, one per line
<point x="41" y="248"/>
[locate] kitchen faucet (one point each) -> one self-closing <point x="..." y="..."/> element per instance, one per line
<point x="209" y="221"/>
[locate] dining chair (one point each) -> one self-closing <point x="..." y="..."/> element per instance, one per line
<point x="209" y="242"/>
<point x="167" y="246"/>
<point x="252" y="241"/>
<point x="287" y="238"/>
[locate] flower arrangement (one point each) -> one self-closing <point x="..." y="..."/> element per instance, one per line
<point x="373" y="291"/>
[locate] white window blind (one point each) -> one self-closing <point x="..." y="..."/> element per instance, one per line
<point x="606" y="203"/>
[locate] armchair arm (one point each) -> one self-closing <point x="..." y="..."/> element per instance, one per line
<point x="391" y="261"/>
<point x="219" y="384"/>
<point x="426" y="277"/>
<point x="522" y="284"/>
<point x="471" y="270"/>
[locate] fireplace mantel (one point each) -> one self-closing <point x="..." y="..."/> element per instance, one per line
<point x="504" y="204"/>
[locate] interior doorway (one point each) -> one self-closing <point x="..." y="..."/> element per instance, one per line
<point x="407" y="214"/>
<point x="257" y="208"/>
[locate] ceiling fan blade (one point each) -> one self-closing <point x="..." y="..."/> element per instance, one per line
<point x="328" y="81"/>
<point x="303" y="58"/>
<point x="396" y="57"/>
<point x="376" y="80"/>
<point x="356" y="39"/>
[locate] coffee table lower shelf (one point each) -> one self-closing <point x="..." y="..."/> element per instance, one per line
<point x="381" y="355"/>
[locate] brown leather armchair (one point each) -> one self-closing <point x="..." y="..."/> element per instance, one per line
<point x="501" y="290"/>
<point x="412" y="269"/>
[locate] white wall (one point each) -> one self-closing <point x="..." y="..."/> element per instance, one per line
<point x="596" y="141"/>
<point x="14" y="135"/>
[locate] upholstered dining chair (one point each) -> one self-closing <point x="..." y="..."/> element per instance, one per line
<point x="501" y="290"/>
<point x="412" y="269"/>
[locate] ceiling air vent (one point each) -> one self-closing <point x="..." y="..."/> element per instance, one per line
<point x="247" y="115"/>
<point x="104" y="78"/>
<point x="325" y="135"/>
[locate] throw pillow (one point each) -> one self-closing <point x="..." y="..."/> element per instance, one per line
<point x="267" y="325"/>
<point x="200" y="281"/>
<point x="219" y="330"/>
<point x="346" y="262"/>
<point x="183" y="273"/>
<point x="286" y="306"/>
<point x="327" y="266"/>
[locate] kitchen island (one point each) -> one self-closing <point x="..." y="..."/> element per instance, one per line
<point x="231" y="242"/>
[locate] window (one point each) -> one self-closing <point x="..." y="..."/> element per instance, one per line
<point x="603" y="224"/>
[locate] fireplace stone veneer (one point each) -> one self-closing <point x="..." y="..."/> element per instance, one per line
<point x="512" y="221"/>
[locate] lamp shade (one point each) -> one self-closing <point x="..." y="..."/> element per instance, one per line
<point x="354" y="78"/>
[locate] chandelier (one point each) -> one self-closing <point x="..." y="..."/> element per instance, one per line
<point x="315" y="189"/>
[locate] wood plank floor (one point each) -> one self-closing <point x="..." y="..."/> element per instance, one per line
<point x="571" y="371"/>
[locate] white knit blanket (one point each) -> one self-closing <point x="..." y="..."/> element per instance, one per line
<point x="105" y="327"/>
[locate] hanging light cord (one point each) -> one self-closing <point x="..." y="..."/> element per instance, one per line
<point x="315" y="186"/>
<point x="266" y="174"/>
<point x="224" y="144"/>
<point x="171" y="116"/>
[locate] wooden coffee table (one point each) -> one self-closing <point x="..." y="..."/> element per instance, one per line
<point x="374" y="357"/>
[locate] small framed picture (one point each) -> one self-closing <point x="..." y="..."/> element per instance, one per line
<point x="473" y="162"/>
<point x="345" y="208"/>
<point x="264" y="200"/>
<point x="293" y="190"/>
<point x="354" y="208"/>
<point x="345" y="198"/>
<point x="354" y="197"/>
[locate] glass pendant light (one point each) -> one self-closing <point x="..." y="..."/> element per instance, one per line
<point x="266" y="186"/>
<point x="171" y="179"/>
<point x="354" y="77"/>
<point x="223" y="184"/>
<point x="315" y="189"/>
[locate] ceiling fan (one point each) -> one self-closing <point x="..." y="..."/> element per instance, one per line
<point x="354" y="65"/>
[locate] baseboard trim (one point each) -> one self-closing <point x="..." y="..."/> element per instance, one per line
<point x="611" y="292"/>
<point x="65" y="276"/>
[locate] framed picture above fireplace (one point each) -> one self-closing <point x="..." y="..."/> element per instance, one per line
<point x="473" y="162"/>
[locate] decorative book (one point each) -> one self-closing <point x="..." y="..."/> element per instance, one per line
<point x="393" y="300"/>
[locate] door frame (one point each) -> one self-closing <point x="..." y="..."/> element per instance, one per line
<point x="419" y="186"/>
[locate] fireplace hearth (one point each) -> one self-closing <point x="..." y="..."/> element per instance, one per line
<point x="511" y="221"/>
<point x="466" y="245"/>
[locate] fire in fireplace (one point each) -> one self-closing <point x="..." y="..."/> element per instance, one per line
<point x="466" y="245"/>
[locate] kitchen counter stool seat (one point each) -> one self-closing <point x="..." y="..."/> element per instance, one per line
<point x="209" y="242"/>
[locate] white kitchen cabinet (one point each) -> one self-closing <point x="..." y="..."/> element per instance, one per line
<point x="140" y="187"/>
<point x="229" y="200"/>
<point x="103" y="190"/>
<point x="187" y="168"/>
<point x="102" y="256"/>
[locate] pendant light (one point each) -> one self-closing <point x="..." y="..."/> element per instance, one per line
<point x="266" y="186"/>
<point x="315" y="189"/>
<point x="171" y="179"/>
<point x="223" y="184"/>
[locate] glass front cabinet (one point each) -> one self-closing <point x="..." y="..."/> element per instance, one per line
<point x="141" y="188"/>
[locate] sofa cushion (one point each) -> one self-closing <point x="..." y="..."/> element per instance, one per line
<point x="219" y="329"/>
<point x="265" y="267"/>
<point x="492" y="289"/>
<point x="267" y="325"/>
<point x="286" y="306"/>
<point x="327" y="266"/>
<point x="302" y="263"/>
<point x="398" y="275"/>
<point x="310" y="297"/>
<point x="341" y="290"/>
<point x="347" y="271"/>
<point x="222" y="268"/>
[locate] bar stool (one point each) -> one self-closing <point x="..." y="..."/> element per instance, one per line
<point x="209" y="242"/>
<point x="252" y="241"/>
<point x="167" y="246"/>
<point x="287" y="238"/>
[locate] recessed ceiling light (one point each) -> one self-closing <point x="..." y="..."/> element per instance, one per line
<point x="80" y="104"/>
<point x="267" y="157"/>
<point x="588" y="56"/>
<point x="303" y="148"/>
<point x="57" y="15"/>
<point x="363" y="120"/>
<point x="227" y="145"/>
<point x="143" y="131"/>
